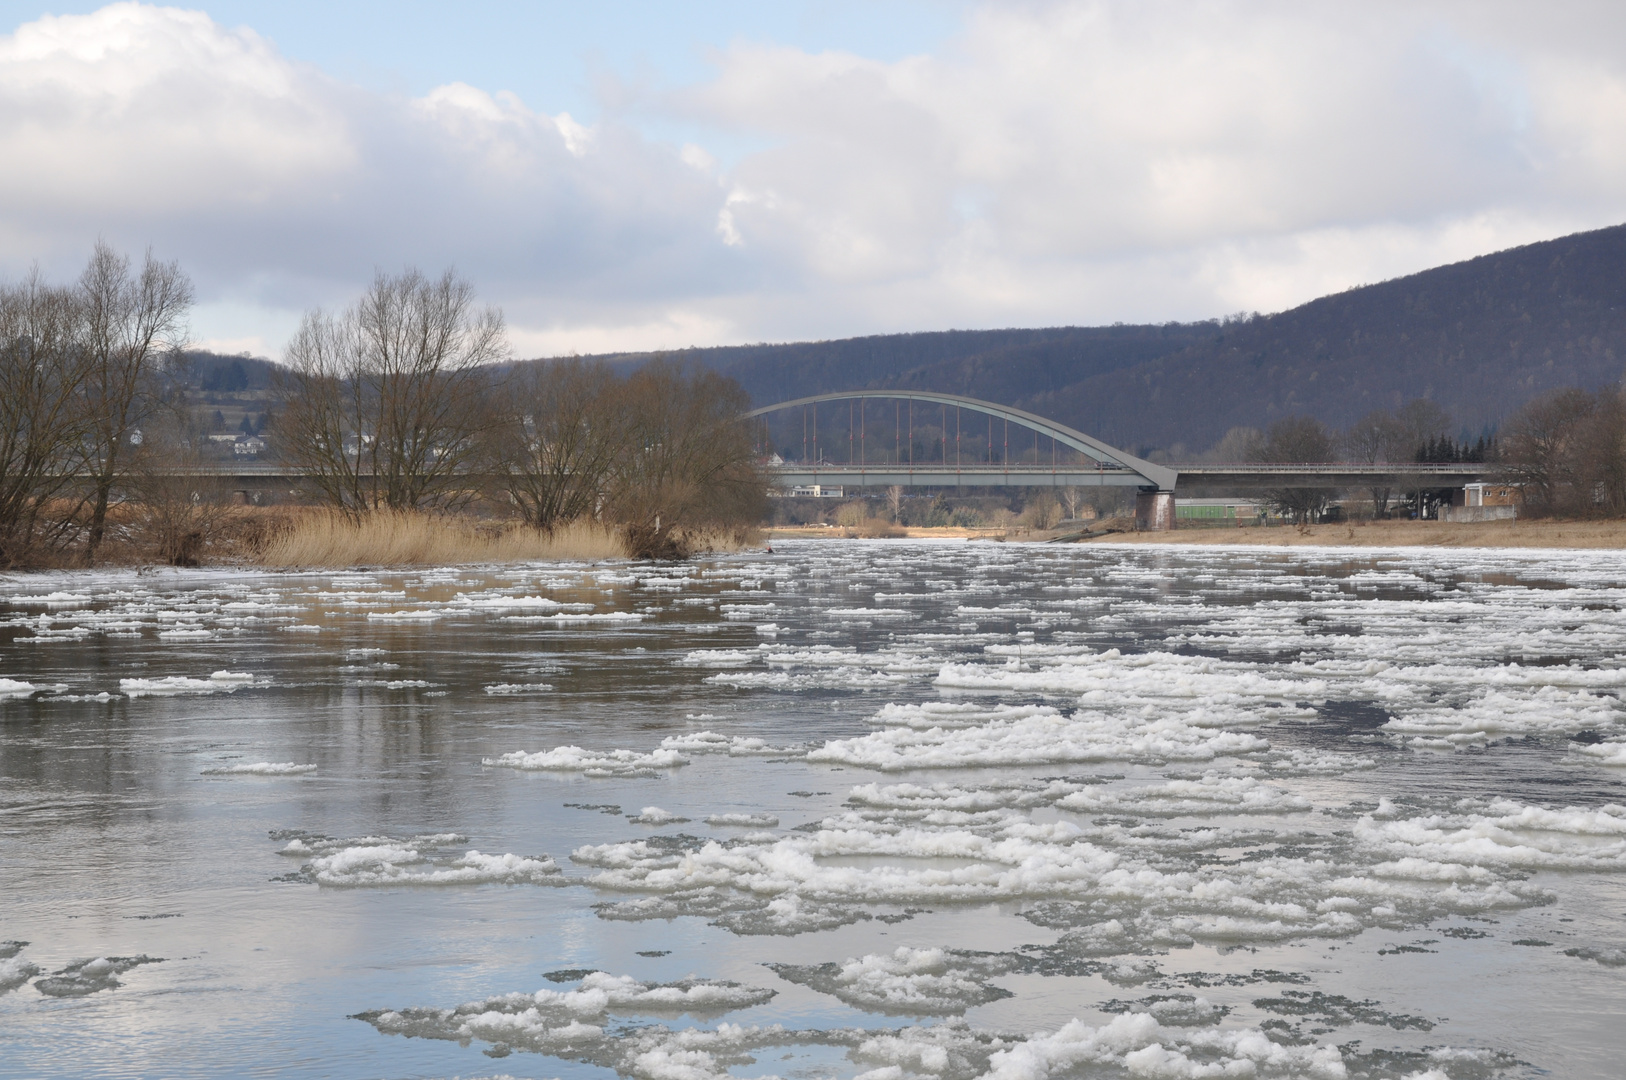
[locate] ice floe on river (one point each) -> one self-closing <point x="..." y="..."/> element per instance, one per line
<point x="1152" y="762"/>
<point x="221" y="682"/>
<point x="370" y="861"/>
<point x="15" y="969"/>
<point x="85" y="977"/>
<point x="579" y="1026"/>
<point x="590" y="762"/>
<point x="261" y="768"/>
<point x="931" y="982"/>
<point x="1043" y="735"/>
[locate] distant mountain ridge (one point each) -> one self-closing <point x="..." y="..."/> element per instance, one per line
<point x="1480" y="337"/>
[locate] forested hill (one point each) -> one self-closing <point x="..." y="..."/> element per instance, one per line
<point x="1480" y="337"/>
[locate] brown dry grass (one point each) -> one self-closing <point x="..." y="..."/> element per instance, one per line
<point x="1507" y="534"/>
<point x="1499" y="534"/>
<point x="321" y="538"/>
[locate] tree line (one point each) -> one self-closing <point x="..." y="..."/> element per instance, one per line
<point x="1565" y="451"/>
<point x="402" y="402"/>
<point x="77" y="366"/>
<point x="1415" y="433"/>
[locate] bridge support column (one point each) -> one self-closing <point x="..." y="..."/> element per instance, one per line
<point x="1154" y="511"/>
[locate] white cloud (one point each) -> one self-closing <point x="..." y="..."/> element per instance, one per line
<point x="1067" y="162"/>
<point x="677" y="328"/>
<point x="1079" y="162"/>
<point x="278" y="186"/>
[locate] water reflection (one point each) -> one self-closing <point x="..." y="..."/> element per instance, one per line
<point x="1188" y="798"/>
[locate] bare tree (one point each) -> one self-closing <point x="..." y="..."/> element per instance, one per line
<point x="1606" y="452"/>
<point x="43" y="424"/>
<point x="1297" y="439"/>
<point x="1041" y="512"/>
<point x="558" y="439"/>
<point x="129" y="322"/>
<point x="1236" y="445"/>
<point x="894" y="501"/>
<point x="1421" y="422"/>
<point x="1376" y="438"/>
<point x="181" y="508"/>
<point x="689" y="463"/>
<point x="852" y="514"/>
<point x="383" y="401"/>
<point x="1566" y="452"/>
<point x="1072" y="497"/>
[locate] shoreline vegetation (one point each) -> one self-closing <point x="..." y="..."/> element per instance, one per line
<point x="419" y="441"/>
<point x="292" y="537"/>
<point x="403" y="414"/>
<point x="327" y="539"/>
<point x="1536" y="533"/>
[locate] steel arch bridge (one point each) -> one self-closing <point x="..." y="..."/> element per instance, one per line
<point x="1103" y="465"/>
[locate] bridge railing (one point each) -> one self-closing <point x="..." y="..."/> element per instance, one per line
<point x="1380" y="468"/>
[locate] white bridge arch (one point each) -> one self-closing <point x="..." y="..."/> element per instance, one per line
<point x="1105" y="466"/>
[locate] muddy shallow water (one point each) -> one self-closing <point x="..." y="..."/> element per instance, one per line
<point x="898" y="810"/>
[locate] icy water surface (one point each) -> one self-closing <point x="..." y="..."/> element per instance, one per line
<point x="896" y="811"/>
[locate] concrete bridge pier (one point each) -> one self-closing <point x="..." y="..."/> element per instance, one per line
<point x="1154" y="510"/>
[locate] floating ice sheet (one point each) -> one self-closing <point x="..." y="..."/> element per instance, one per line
<point x="427" y="860"/>
<point x="221" y="682"/>
<point x="19" y="688"/>
<point x="85" y="977"/>
<point x="590" y="762"/>
<point x="261" y="768"/>
<point x="510" y="689"/>
<point x="15" y="969"/>
<point x="929" y="982"/>
<point x="1043" y="735"/>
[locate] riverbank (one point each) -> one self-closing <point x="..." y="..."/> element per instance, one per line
<point x="899" y="532"/>
<point x="1498" y="534"/>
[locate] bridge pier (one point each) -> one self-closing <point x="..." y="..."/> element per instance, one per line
<point x="1154" y="511"/>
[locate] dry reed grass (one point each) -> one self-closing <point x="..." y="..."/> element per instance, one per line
<point x="327" y="539"/>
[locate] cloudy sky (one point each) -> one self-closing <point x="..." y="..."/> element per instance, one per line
<point x="655" y="175"/>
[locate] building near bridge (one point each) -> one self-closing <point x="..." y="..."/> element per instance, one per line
<point x="1484" y="502"/>
<point x="1489" y="495"/>
<point x="1219" y="512"/>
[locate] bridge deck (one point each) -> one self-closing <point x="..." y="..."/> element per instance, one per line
<point x="950" y="476"/>
<point x="982" y="474"/>
<point x="1193" y="476"/>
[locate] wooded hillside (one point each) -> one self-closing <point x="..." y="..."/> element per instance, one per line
<point x="1480" y="337"/>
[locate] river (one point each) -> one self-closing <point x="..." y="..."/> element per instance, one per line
<point x="892" y="810"/>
